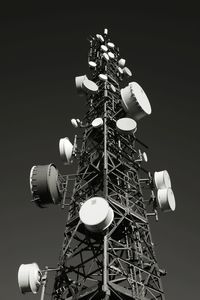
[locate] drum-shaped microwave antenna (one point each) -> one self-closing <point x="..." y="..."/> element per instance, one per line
<point x="79" y="81"/>
<point x="103" y="77"/>
<point x="162" y="180"/>
<point x="135" y="101"/>
<point x="126" y="125"/>
<point x="120" y="70"/>
<point x="113" y="88"/>
<point x="89" y="86"/>
<point x="96" y="214"/>
<point x="99" y="37"/>
<point x="45" y="185"/>
<point x="121" y="62"/>
<point x="166" y="199"/>
<point x="104" y="48"/>
<point x="65" y="149"/>
<point x="84" y="85"/>
<point x="127" y="72"/>
<point x="29" y="278"/>
<point x="144" y="157"/>
<point x="106" y="56"/>
<point x="98" y="122"/>
<point x="111" y="45"/>
<point x="74" y="123"/>
<point x="111" y="54"/>
<point x="92" y="64"/>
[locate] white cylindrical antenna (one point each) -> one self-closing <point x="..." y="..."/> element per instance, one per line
<point x="111" y="54"/>
<point x="106" y="31"/>
<point x="113" y="88"/>
<point x="79" y="81"/>
<point x="126" y="125"/>
<point x="74" y="123"/>
<point x="135" y="101"/>
<point x="65" y="149"/>
<point x="166" y="200"/>
<point x="29" y="278"/>
<point x="121" y="62"/>
<point x="106" y="56"/>
<point x="111" y="45"/>
<point x="103" y="77"/>
<point x="100" y="38"/>
<point x="84" y="85"/>
<point x="44" y="185"/>
<point x="127" y="72"/>
<point x="92" y="64"/>
<point x="104" y="48"/>
<point x="144" y="157"/>
<point x="120" y="70"/>
<point x="98" y="122"/>
<point x="162" y="179"/>
<point x="89" y="86"/>
<point x="96" y="214"/>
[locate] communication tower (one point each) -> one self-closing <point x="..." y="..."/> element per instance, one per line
<point x="107" y="251"/>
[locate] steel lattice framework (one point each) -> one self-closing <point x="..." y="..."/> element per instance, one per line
<point x="119" y="263"/>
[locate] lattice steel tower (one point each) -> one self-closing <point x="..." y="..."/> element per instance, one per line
<point x="107" y="252"/>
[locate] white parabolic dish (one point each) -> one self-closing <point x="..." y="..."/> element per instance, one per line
<point x="97" y="122"/>
<point x="111" y="45"/>
<point x="135" y="101"/>
<point x="121" y="62"/>
<point x="96" y="214"/>
<point x="74" y="123"/>
<point x="166" y="199"/>
<point x="126" y="125"/>
<point x="79" y="81"/>
<point x="65" y="149"/>
<point x="92" y="64"/>
<point x="103" y="77"/>
<point x="111" y="55"/>
<point x="29" y="278"/>
<point x="162" y="179"/>
<point x="89" y="86"/>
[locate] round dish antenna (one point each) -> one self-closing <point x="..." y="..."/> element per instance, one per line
<point x="92" y="64"/>
<point x="144" y="157"/>
<point x="111" y="54"/>
<point x="111" y="45"/>
<point x="103" y="77"/>
<point x="104" y="48"/>
<point x="121" y="62"/>
<point x="96" y="214"/>
<point x="44" y="185"/>
<point x="127" y="72"/>
<point x="98" y="122"/>
<point x="74" y="123"/>
<point x="66" y="150"/>
<point x="29" y="278"/>
<point x="84" y="85"/>
<point x="135" y="101"/>
<point x="162" y="180"/>
<point x="113" y="88"/>
<point x="106" y="31"/>
<point x="166" y="200"/>
<point x="120" y="70"/>
<point x="106" y="56"/>
<point x="126" y="125"/>
<point x="100" y="38"/>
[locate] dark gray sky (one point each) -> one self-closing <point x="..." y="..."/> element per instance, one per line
<point x="42" y="50"/>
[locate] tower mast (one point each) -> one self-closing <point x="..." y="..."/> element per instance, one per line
<point x="107" y="251"/>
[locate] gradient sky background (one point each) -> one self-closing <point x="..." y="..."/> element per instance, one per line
<point x="42" y="50"/>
